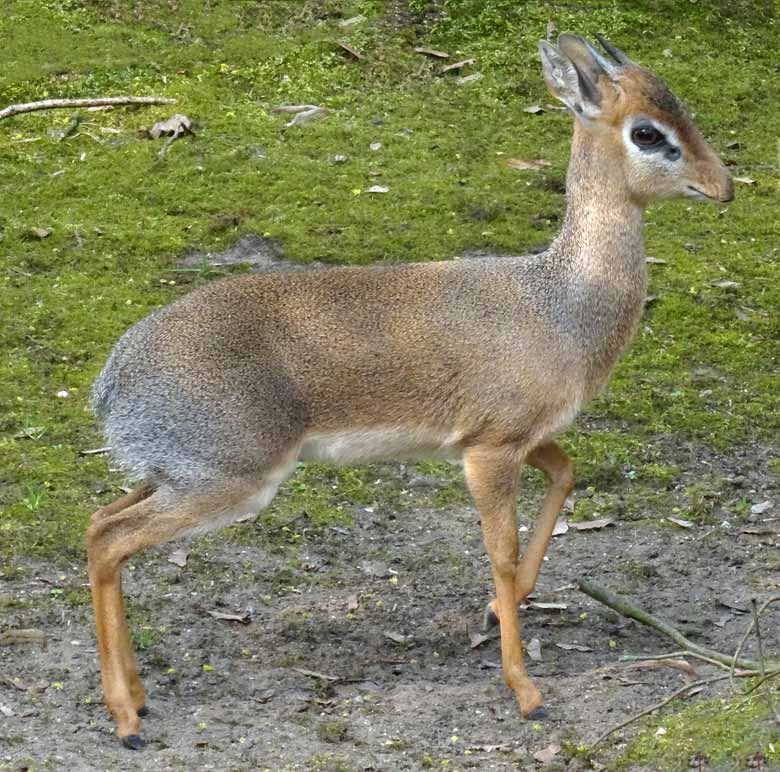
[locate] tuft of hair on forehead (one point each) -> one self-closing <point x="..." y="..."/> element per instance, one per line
<point x="656" y="93"/>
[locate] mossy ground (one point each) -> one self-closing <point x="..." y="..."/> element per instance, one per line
<point x="702" y="375"/>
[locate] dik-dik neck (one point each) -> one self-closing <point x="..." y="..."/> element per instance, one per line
<point x="601" y="235"/>
<point x="600" y="252"/>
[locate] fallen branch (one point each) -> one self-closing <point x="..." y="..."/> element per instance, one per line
<point x="53" y="104"/>
<point x="626" y="609"/>
<point x="673" y="655"/>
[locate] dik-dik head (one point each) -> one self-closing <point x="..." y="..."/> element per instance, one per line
<point x="638" y="122"/>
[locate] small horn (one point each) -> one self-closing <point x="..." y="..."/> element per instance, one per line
<point x="606" y="64"/>
<point x="613" y="51"/>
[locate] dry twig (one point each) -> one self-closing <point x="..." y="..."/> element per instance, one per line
<point x="658" y="705"/>
<point x="622" y="606"/>
<point x="52" y="104"/>
<point x="767" y="692"/>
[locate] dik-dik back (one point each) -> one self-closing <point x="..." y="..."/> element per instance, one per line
<point x="210" y="402"/>
<point x="342" y="365"/>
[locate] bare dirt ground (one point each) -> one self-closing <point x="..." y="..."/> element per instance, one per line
<point x="382" y="611"/>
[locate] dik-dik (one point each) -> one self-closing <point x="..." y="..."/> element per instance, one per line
<point x="209" y="402"/>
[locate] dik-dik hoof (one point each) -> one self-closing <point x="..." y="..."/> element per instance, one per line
<point x="537" y="714"/>
<point x="490" y="618"/>
<point x="134" y="742"/>
<point x="142" y="711"/>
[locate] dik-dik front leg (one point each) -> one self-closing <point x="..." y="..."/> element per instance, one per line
<point x="492" y="476"/>
<point x="557" y="468"/>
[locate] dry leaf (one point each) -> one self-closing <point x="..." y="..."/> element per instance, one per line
<point x="758" y="531"/>
<point x="397" y="637"/>
<point x="29" y="635"/>
<point x="40" y="233"/>
<point x="352" y="602"/>
<point x="655" y="261"/>
<point x="724" y="620"/>
<point x="349" y="49"/>
<point x="548" y="606"/>
<point x="681" y="523"/>
<point x="534" y="650"/>
<point x="733" y="606"/>
<point x="561" y="526"/>
<point x="725" y="284"/>
<point x="303" y="113"/>
<point x="548" y="754"/>
<point x="745" y="180"/>
<point x="352" y="20"/>
<point x="759" y="509"/>
<point x="265" y="696"/>
<point x="174" y="127"/>
<point x="477" y="639"/>
<point x="375" y="568"/>
<point x="14" y="683"/>
<point x="675" y="664"/>
<point x="592" y="525"/>
<point x="378" y="189"/>
<point x="244" y="617"/>
<point x="533" y="109"/>
<point x="432" y="52"/>
<point x="538" y="165"/>
<point x="469" y="78"/>
<point x="178" y="558"/>
<point x="458" y="65"/>
<point x="573" y="647"/>
<point x="650" y="299"/>
<point x="30" y="433"/>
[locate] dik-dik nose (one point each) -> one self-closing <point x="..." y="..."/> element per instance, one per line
<point x="715" y="180"/>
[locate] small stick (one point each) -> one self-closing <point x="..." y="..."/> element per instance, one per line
<point x="52" y="104"/>
<point x="622" y="606"/>
<point x="767" y="692"/>
<point x="735" y="659"/>
<point x="659" y="705"/>
<point x="673" y="655"/>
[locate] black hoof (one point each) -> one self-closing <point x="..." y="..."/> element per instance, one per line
<point x="490" y="619"/>
<point x="134" y="742"/>
<point x="144" y="711"/>
<point x="537" y="715"/>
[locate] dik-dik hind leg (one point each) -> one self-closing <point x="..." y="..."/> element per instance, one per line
<point x="557" y="467"/>
<point x="492" y="477"/>
<point x="135" y="685"/>
<point x="111" y="540"/>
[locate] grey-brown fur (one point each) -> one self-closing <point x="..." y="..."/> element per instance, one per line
<point x="224" y="380"/>
<point x="208" y="402"/>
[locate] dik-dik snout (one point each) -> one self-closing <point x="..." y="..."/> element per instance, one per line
<point x="642" y="135"/>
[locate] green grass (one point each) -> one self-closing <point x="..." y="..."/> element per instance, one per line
<point x="727" y="733"/>
<point x="703" y="370"/>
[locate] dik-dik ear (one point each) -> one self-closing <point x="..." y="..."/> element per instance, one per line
<point x="572" y="71"/>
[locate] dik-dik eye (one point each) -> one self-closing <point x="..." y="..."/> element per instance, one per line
<point x="647" y="136"/>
